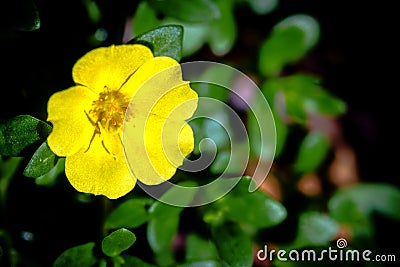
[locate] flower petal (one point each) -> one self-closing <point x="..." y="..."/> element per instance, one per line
<point x="109" y="66"/>
<point x="156" y="152"/>
<point x="156" y="136"/>
<point x="157" y="88"/>
<point x="149" y="69"/>
<point x="100" y="172"/>
<point x="72" y="129"/>
<point x="177" y="104"/>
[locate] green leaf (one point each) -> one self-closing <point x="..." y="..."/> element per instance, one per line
<point x="174" y="199"/>
<point x="22" y="135"/>
<point x="222" y="35"/>
<point x="219" y="32"/>
<point x="344" y="210"/>
<point x="144" y="19"/>
<point x="194" y="37"/>
<point x="130" y="214"/>
<point x="205" y="263"/>
<point x="131" y="261"/>
<point x="163" y="41"/>
<point x="282" y="131"/>
<point x="273" y="93"/>
<point x="50" y="177"/>
<point x="304" y="93"/>
<point x="93" y="11"/>
<point x="323" y="103"/>
<point x="281" y="47"/>
<point x="258" y="146"/>
<point x="41" y="162"/>
<point x="187" y="10"/>
<point x="220" y="162"/>
<point x="308" y="25"/>
<point x="162" y="229"/>
<point x="315" y="229"/>
<point x="164" y="220"/>
<point x="300" y="95"/>
<point x="263" y="7"/>
<point x="255" y="208"/>
<point x="217" y="132"/>
<point x="165" y="258"/>
<point x="81" y="256"/>
<point x="233" y="244"/>
<point x="212" y="90"/>
<point x="365" y="199"/>
<point x="8" y="167"/>
<point x="117" y="242"/>
<point x="289" y="41"/>
<point x="199" y="249"/>
<point x="312" y="152"/>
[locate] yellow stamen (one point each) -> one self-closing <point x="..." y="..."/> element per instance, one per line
<point x="109" y="110"/>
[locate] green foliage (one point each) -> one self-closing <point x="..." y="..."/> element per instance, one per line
<point x="206" y="263"/>
<point x="312" y="152"/>
<point x="315" y="229"/>
<point x="42" y="161"/>
<point x="164" y="219"/>
<point x="163" y="41"/>
<point x="289" y="41"/>
<point x="199" y="250"/>
<point x="49" y="178"/>
<point x="130" y="214"/>
<point x="82" y="255"/>
<point x="258" y="146"/>
<point x="130" y="261"/>
<point x="117" y="242"/>
<point x="8" y="168"/>
<point x="21" y="134"/>
<point x="223" y="31"/>
<point x="233" y="244"/>
<point x="367" y="198"/>
<point x="263" y="6"/>
<point x="203" y="22"/>
<point x="255" y="209"/>
<point x="188" y="11"/>
<point x="356" y="205"/>
<point x="163" y="226"/>
<point x="302" y="95"/>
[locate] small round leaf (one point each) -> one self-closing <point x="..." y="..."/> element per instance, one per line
<point x="117" y="242"/>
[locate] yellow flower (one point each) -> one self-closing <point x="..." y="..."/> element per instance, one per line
<point x="112" y="111"/>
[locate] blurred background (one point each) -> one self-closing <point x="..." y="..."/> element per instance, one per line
<point x="346" y="45"/>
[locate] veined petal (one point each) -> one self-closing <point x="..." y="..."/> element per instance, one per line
<point x="186" y="140"/>
<point x="155" y="147"/>
<point x="157" y="88"/>
<point x="100" y="171"/>
<point x="156" y="65"/>
<point x="72" y="130"/>
<point x="177" y="104"/>
<point x="109" y="66"/>
<point x="156" y="136"/>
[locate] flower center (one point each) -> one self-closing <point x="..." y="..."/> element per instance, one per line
<point x="109" y="110"/>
